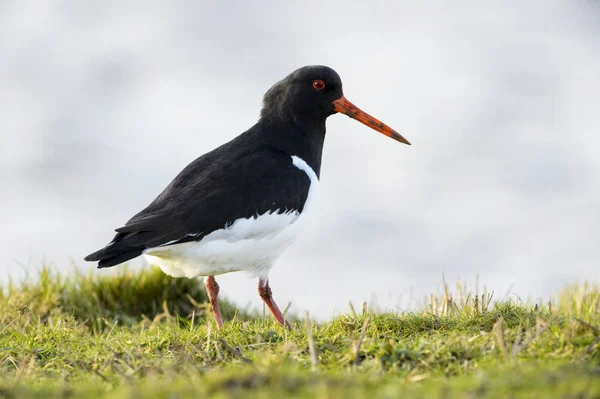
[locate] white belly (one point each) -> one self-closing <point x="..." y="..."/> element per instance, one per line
<point x="252" y="244"/>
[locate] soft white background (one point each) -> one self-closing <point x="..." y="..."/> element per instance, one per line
<point x="103" y="102"/>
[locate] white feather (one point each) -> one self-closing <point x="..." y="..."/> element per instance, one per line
<point x="249" y="244"/>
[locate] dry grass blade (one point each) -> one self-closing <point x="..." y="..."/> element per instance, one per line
<point x="352" y="310"/>
<point x="208" y="334"/>
<point x="499" y="332"/>
<point x="287" y="308"/>
<point x="363" y="334"/>
<point x="311" y="344"/>
<point x="517" y="345"/>
<point x="11" y="323"/>
<point x="112" y="327"/>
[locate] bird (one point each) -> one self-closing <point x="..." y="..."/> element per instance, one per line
<point x="239" y="206"/>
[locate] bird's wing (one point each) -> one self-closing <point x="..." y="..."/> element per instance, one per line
<point x="210" y="194"/>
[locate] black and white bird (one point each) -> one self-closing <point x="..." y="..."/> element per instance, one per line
<point x="239" y="206"/>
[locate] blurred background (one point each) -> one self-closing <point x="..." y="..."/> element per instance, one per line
<point x="102" y="103"/>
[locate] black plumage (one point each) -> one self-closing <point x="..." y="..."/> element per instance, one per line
<point x="231" y="182"/>
<point x="246" y="177"/>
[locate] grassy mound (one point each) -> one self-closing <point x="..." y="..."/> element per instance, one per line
<point x="147" y="335"/>
<point x="98" y="300"/>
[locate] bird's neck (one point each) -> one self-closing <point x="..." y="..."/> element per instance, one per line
<point x="303" y="139"/>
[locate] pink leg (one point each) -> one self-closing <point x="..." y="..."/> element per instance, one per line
<point x="212" y="289"/>
<point x="267" y="296"/>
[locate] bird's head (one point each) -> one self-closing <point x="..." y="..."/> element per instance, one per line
<point x="313" y="93"/>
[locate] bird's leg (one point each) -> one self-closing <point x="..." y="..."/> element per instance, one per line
<point x="212" y="289"/>
<point x="267" y="296"/>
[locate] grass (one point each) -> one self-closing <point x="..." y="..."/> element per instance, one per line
<point x="145" y="334"/>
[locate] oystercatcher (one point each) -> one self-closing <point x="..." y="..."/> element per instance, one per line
<point x="239" y="206"/>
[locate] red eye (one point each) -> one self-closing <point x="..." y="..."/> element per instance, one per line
<point x="319" y="84"/>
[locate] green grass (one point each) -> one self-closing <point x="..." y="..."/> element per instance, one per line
<point x="148" y="335"/>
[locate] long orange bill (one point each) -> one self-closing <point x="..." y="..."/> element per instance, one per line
<point x="347" y="108"/>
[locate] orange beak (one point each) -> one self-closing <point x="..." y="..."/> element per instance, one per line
<point x="347" y="108"/>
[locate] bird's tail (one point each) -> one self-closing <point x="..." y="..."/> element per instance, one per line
<point x="115" y="253"/>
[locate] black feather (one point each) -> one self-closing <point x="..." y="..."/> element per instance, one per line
<point x="118" y="259"/>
